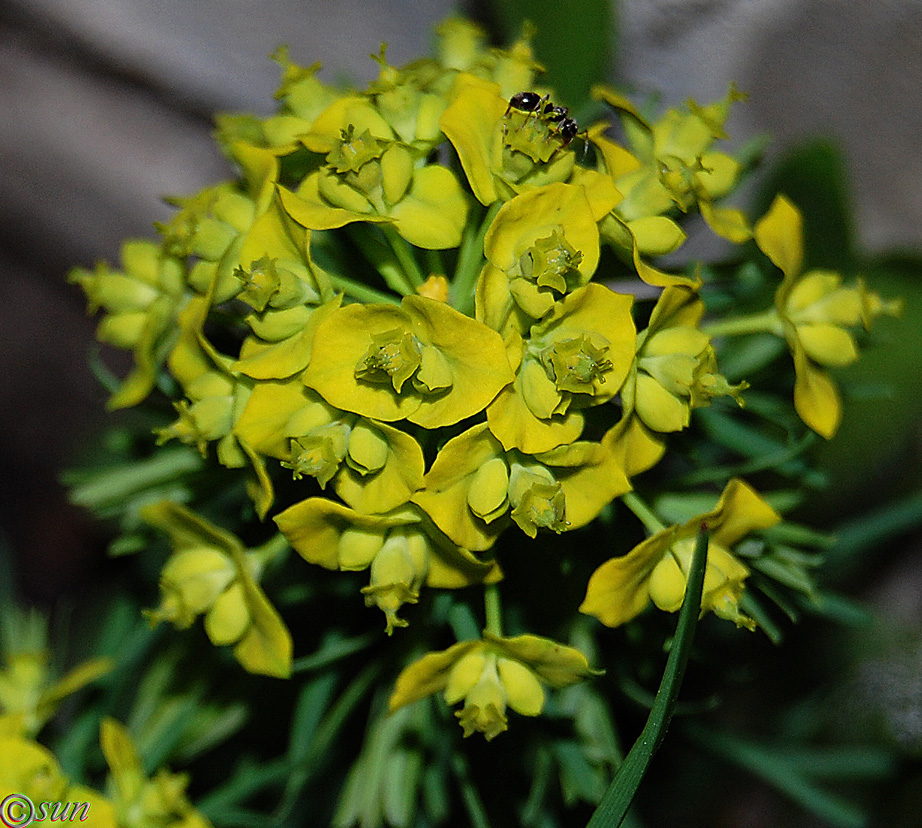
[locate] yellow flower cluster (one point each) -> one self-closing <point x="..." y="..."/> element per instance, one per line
<point x="307" y="317"/>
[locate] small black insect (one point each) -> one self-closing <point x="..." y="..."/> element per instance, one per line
<point x="566" y="130"/>
<point x="554" y="117"/>
<point x="526" y="102"/>
<point x="553" y="113"/>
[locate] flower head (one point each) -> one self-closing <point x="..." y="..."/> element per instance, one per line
<point x="676" y="366"/>
<point x="211" y="573"/>
<point x="657" y="570"/>
<point x="815" y="313"/>
<point x="490" y="676"/>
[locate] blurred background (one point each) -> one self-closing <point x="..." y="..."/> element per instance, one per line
<point x="106" y="107"/>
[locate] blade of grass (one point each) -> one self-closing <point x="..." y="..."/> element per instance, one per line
<point x="621" y="792"/>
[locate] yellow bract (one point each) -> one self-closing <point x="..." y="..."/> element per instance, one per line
<point x="423" y="362"/>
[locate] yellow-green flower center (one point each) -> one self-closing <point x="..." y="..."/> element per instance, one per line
<point x="351" y="153"/>
<point x="394" y="356"/>
<point x="537" y="499"/>
<point x="260" y="283"/>
<point x="319" y="453"/>
<point x="578" y="366"/>
<point x="552" y="262"/>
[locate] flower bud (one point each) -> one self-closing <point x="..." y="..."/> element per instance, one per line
<point x="723" y="581"/>
<point x="229" y="617"/>
<point x="191" y="582"/>
<point x="358" y="547"/>
<point x="368" y="449"/>
<point x="487" y="496"/>
<point x="340" y="194"/>
<point x="396" y="172"/>
<point x="435" y="287"/>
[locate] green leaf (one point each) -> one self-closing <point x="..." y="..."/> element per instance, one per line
<point x="859" y="536"/>
<point x="792" y="771"/>
<point x="334" y="648"/>
<point x="620" y="794"/>
<point x="573" y="41"/>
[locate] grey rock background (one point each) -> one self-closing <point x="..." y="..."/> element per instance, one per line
<point x="105" y="107"/>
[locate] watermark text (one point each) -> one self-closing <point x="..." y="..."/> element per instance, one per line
<point x="18" y="811"/>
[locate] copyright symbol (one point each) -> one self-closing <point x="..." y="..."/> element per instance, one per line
<point x="17" y="811"/>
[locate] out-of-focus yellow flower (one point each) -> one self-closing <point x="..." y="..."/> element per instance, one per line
<point x="423" y="362"/>
<point x="460" y="44"/>
<point x="303" y="98"/>
<point x="673" y="166"/>
<point x="676" y="366"/>
<point x="490" y="676"/>
<point x="29" y="690"/>
<point x="29" y="770"/>
<point x="657" y="569"/>
<point x="141" y="303"/>
<point x="222" y="228"/>
<point x="211" y="573"/>
<point x="814" y="311"/>
<point x="402" y="550"/>
<point x="140" y="802"/>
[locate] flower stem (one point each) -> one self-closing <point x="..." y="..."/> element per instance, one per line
<point x="493" y="610"/>
<point x="643" y="512"/>
<point x="359" y="291"/>
<point x="405" y="256"/>
<point x="765" y="322"/>
<point x="434" y="263"/>
<point x="470" y="259"/>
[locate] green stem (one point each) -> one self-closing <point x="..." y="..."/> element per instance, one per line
<point x="765" y="322"/>
<point x="643" y="513"/>
<point x="363" y="292"/>
<point x="375" y="247"/>
<point x="470" y="260"/>
<point x="493" y="610"/>
<point x="405" y="256"/>
<point x="435" y="263"/>
<point x="620" y="794"/>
